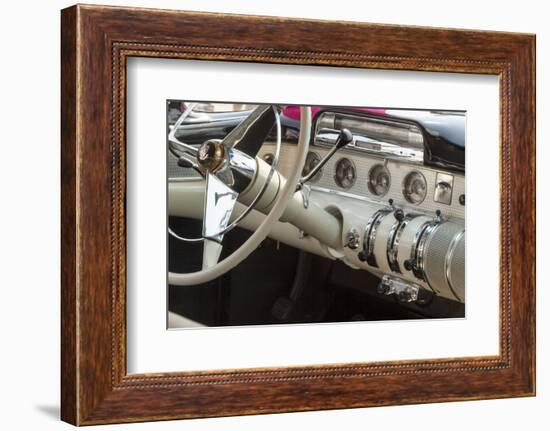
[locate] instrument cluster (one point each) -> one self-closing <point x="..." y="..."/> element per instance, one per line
<point x="366" y="176"/>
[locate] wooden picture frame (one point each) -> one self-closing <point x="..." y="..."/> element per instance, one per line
<point x="95" y="43"/>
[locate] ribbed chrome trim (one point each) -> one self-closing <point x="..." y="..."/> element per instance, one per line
<point x="370" y="234"/>
<point x="414" y="246"/>
<point x="420" y="248"/>
<point x="345" y="194"/>
<point x="394" y="266"/>
<point x="392" y="248"/>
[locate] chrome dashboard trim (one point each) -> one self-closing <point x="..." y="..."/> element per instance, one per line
<point x="345" y="194"/>
<point x="361" y="144"/>
<point x="414" y="249"/>
<point x="370" y="235"/>
<point x="393" y="242"/>
<point x="190" y="179"/>
<point x="394" y="266"/>
<point x="372" y="134"/>
<point x="427" y="231"/>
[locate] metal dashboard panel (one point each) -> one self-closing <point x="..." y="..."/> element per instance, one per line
<point x="363" y="164"/>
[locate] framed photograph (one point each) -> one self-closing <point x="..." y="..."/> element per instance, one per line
<point x="264" y="217"/>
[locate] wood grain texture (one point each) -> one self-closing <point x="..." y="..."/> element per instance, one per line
<point x="68" y="217"/>
<point x="96" y="41"/>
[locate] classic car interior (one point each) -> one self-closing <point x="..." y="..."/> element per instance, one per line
<point x="289" y="214"/>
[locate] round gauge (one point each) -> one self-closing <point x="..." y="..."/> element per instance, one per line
<point x="415" y="187"/>
<point x="344" y="173"/>
<point x="268" y="158"/>
<point x="379" y="180"/>
<point x="312" y="160"/>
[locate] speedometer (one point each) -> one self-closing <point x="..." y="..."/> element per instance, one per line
<point x="415" y="187"/>
<point x="379" y="180"/>
<point x="344" y="173"/>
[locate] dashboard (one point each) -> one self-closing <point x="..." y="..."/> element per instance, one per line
<point x="402" y="218"/>
<point x="365" y="190"/>
<point x="366" y="177"/>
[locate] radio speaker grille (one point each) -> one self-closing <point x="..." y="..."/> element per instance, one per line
<point x="436" y="252"/>
<point x="457" y="268"/>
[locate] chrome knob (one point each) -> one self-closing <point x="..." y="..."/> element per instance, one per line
<point x="352" y="239"/>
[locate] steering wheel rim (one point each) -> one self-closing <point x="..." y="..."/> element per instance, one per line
<point x="277" y="210"/>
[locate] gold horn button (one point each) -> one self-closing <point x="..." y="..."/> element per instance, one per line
<point x="211" y="155"/>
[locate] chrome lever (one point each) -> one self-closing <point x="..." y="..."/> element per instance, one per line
<point x="178" y="148"/>
<point x="344" y="138"/>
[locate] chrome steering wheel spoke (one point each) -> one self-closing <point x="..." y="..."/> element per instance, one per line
<point x="218" y="206"/>
<point x="250" y="135"/>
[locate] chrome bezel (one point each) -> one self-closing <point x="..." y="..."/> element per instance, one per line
<point x="319" y="174"/>
<point x="370" y="187"/>
<point x="370" y="233"/>
<point x="419" y="246"/>
<point x="394" y="266"/>
<point x="394" y="237"/>
<point x="406" y="181"/>
<point x="352" y="164"/>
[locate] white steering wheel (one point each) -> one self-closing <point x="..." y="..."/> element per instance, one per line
<point x="231" y="168"/>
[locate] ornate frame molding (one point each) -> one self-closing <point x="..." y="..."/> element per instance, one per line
<point x="96" y="41"/>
